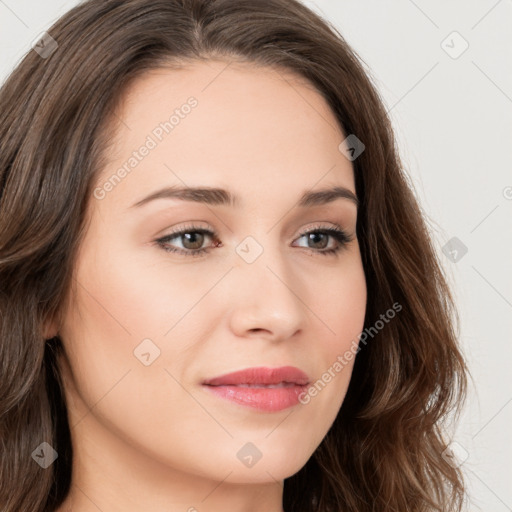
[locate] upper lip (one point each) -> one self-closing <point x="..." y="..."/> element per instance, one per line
<point x="261" y="375"/>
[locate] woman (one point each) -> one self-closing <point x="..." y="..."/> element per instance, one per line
<point x="218" y="290"/>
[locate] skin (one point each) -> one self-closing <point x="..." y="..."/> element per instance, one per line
<point x="151" y="437"/>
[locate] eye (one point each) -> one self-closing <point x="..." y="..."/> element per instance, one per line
<point x="321" y="236"/>
<point x="192" y="239"/>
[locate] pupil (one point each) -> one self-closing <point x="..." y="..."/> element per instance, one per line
<point x="313" y="235"/>
<point x="192" y="235"/>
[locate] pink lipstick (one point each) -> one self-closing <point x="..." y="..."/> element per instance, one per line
<point x="265" y="389"/>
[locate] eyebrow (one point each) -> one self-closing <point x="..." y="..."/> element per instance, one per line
<point x="220" y="196"/>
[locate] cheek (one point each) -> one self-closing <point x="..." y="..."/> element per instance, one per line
<point x="111" y="386"/>
<point x="341" y="301"/>
<point x="127" y="296"/>
<point x="341" y="307"/>
<point x="112" y="311"/>
<point x="122" y="301"/>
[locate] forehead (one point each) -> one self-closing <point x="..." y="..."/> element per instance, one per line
<point x="218" y="123"/>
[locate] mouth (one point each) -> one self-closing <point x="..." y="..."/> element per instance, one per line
<point x="263" y="389"/>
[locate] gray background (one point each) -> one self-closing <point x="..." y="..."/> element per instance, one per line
<point x="453" y="119"/>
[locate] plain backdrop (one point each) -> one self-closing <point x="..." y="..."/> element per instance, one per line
<point x="444" y="71"/>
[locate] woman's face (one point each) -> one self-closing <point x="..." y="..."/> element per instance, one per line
<point x="147" y="326"/>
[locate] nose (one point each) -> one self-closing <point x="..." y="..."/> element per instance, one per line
<point x="266" y="301"/>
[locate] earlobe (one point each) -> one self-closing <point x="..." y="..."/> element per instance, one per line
<point x="50" y="329"/>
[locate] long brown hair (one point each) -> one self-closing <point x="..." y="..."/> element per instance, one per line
<point x="384" y="451"/>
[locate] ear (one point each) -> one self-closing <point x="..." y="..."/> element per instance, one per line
<point x="50" y="329"/>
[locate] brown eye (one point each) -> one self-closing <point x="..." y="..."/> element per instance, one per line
<point x="318" y="239"/>
<point x="192" y="241"/>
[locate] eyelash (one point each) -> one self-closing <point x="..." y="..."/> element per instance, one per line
<point x="337" y="233"/>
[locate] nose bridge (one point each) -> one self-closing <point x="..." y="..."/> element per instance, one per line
<point x="267" y="295"/>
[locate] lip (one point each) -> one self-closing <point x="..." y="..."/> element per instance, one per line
<point x="250" y="387"/>
<point x="261" y="375"/>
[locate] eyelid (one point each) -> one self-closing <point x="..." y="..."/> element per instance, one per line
<point x="320" y="226"/>
<point x="190" y="226"/>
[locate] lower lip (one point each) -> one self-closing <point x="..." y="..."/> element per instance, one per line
<point x="261" y="398"/>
